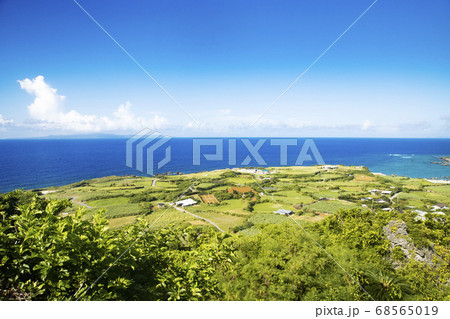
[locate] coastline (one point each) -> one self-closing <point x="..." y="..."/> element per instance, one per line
<point x="438" y="181"/>
<point x="25" y="166"/>
<point x="44" y="190"/>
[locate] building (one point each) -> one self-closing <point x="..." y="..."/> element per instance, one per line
<point x="327" y="167"/>
<point x="253" y="171"/>
<point x="420" y="215"/>
<point x="439" y="206"/>
<point x="284" y="212"/>
<point x="185" y="202"/>
<point x="386" y="192"/>
<point x="161" y="205"/>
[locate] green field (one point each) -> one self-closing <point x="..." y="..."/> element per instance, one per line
<point x="331" y="206"/>
<point x="238" y="248"/>
<point x="304" y="190"/>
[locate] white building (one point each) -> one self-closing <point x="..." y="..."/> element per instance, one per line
<point x="253" y="171"/>
<point x="285" y="212"/>
<point x="185" y="202"/>
<point x="420" y="215"/>
<point x="439" y="206"/>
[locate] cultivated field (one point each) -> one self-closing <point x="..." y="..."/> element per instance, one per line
<point x="238" y="201"/>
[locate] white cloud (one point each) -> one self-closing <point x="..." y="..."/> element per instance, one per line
<point x="232" y="124"/>
<point x="47" y="104"/>
<point x="446" y="119"/>
<point x="366" y="125"/>
<point x="225" y="111"/>
<point x="4" y="121"/>
<point x="49" y="113"/>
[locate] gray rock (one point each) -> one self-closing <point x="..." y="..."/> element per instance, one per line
<point x="396" y="232"/>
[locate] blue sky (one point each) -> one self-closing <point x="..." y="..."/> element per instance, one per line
<point x="225" y="62"/>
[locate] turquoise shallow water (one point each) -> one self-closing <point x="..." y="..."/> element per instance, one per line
<point x="42" y="162"/>
<point x="411" y="165"/>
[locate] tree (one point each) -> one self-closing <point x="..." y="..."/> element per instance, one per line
<point x="282" y="263"/>
<point x="47" y="256"/>
<point x="387" y="286"/>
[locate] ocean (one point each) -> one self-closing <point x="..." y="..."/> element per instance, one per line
<point x="39" y="163"/>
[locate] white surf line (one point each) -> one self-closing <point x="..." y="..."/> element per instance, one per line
<point x="316" y="242"/>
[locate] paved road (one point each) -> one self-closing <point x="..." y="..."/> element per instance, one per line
<point x="395" y="195"/>
<point x="196" y="216"/>
<point x="73" y="200"/>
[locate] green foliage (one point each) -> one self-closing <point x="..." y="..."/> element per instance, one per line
<point x="250" y="206"/>
<point x="224" y="195"/>
<point x="46" y="256"/>
<point x="142" y="197"/>
<point x="229" y="174"/>
<point x="50" y="252"/>
<point x="246" y="225"/>
<point x="357" y="229"/>
<point x="146" y="208"/>
<point x="397" y="254"/>
<point x="282" y="263"/>
<point x="387" y="287"/>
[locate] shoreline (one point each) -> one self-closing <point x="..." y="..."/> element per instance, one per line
<point x="48" y="189"/>
<point x="438" y="181"/>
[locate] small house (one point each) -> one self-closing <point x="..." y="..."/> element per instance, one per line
<point x="185" y="202"/>
<point x="439" y="206"/>
<point x="420" y="215"/>
<point x="327" y="167"/>
<point x="284" y="212"/>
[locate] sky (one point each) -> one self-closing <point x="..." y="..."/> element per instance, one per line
<point x="224" y="63"/>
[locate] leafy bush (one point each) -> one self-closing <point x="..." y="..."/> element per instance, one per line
<point x="45" y="256"/>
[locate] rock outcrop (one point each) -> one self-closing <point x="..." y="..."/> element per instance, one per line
<point x="396" y="232"/>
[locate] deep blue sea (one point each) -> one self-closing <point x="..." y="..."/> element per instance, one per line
<point x="38" y="163"/>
